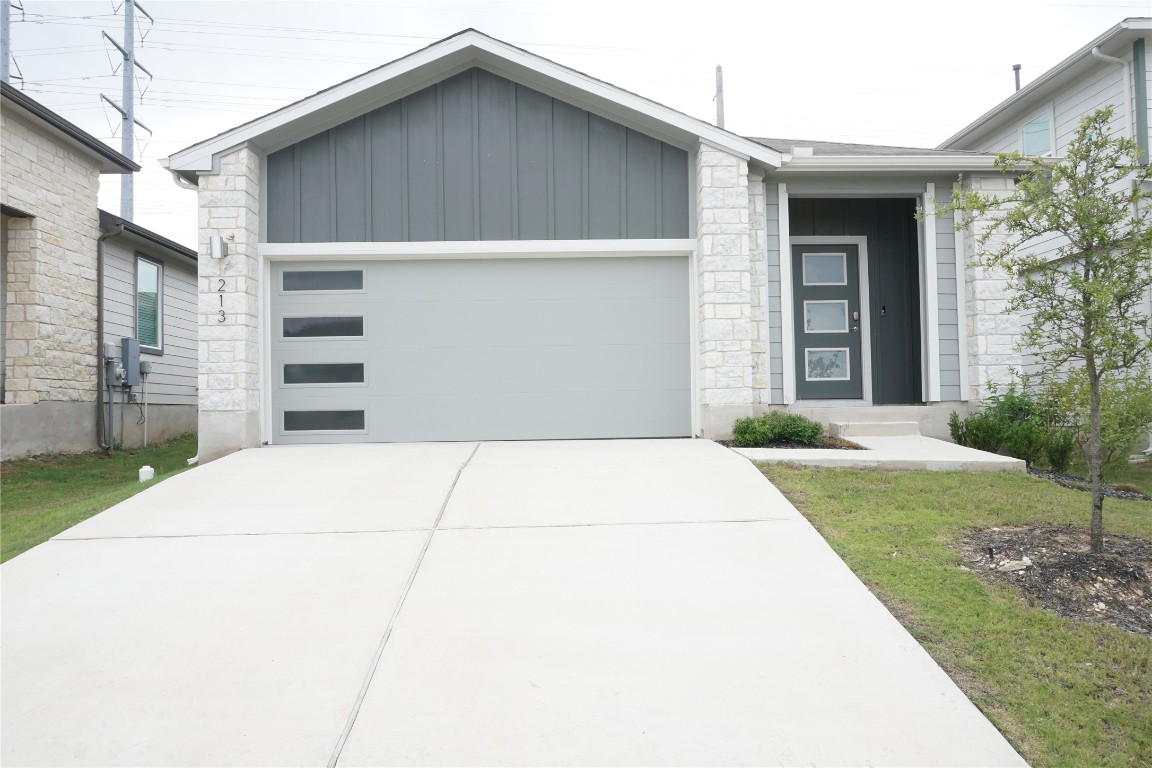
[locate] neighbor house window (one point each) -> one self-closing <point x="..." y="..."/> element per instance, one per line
<point x="1036" y="136"/>
<point x="149" y="304"/>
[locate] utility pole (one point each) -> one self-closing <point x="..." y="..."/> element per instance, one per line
<point x="719" y="96"/>
<point x="5" y="38"/>
<point x="127" y="105"/>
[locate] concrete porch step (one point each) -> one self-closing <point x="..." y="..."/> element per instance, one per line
<point x="850" y="429"/>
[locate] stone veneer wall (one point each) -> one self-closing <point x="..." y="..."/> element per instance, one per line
<point x="50" y="319"/>
<point x="730" y="318"/>
<point x="992" y="335"/>
<point x="230" y="343"/>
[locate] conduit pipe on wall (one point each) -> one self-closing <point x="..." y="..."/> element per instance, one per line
<point x="100" y="426"/>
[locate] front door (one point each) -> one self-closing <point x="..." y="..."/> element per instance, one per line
<point x="826" y="301"/>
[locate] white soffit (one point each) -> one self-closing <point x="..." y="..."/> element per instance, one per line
<point x="888" y="163"/>
<point x="443" y="59"/>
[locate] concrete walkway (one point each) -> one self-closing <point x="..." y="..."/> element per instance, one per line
<point x="892" y="452"/>
<point x="550" y="603"/>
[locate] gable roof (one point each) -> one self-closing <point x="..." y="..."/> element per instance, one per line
<point x="844" y="149"/>
<point x="442" y="59"/>
<point x="1117" y="40"/>
<point x="110" y="220"/>
<point x="842" y="157"/>
<point x="108" y="159"/>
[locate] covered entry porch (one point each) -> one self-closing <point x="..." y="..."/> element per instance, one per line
<point x="865" y="276"/>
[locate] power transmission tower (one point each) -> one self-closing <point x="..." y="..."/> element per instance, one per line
<point x="127" y="105"/>
<point x="6" y="57"/>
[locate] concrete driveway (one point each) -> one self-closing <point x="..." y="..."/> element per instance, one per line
<point x="548" y="603"/>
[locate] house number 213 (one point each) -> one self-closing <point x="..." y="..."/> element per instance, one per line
<point x="220" y="290"/>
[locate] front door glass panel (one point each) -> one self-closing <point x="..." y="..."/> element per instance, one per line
<point x="826" y="301"/>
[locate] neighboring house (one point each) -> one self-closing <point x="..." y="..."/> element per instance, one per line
<point x="1040" y="119"/>
<point x="473" y="242"/>
<point x="60" y="253"/>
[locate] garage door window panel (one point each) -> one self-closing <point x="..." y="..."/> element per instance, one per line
<point x="323" y="281"/>
<point x="325" y="421"/>
<point x="323" y="327"/>
<point x="328" y="374"/>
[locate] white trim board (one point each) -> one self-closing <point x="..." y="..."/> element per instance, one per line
<point x="478" y="249"/>
<point x="787" y="337"/>
<point x="931" y="298"/>
<point x="962" y="309"/>
<point x="861" y="243"/>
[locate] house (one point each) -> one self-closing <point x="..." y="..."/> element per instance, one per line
<point x="1040" y="119"/>
<point x="474" y="242"/>
<point x="74" y="277"/>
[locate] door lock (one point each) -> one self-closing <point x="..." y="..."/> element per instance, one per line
<point x="856" y="316"/>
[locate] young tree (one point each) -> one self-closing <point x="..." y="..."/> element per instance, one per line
<point x="1084" y="300"/>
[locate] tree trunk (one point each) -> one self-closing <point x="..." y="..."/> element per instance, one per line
<point x="1095" y="462"/>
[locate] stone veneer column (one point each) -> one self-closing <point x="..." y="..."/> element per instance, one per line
<point x="993" y="334"/>
<point x="230" y="343"/>
<point x="50" y="315"/>
<point x="725" y="293"/>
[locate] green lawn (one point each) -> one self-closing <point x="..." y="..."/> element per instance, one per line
<point x="1065" y="693"/>
<point x="42" y="496"/>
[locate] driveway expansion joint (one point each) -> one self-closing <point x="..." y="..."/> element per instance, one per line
<point x="351" y="722"/>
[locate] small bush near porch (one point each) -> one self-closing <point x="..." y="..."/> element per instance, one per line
<point x="1065" y="692"/>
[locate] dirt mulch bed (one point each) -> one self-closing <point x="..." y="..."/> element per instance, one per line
<point x="1055" y="570"/>
<point x="1080" y="484"/>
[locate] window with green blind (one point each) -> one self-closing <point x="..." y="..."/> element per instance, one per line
<point x="1036" y="136"/>
<point x="149" y="304"/>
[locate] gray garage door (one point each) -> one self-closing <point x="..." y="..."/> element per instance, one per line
<point x="492" y="349"/>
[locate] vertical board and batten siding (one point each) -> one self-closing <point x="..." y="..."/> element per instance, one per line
<point x="477" y="157"/>
<point x="775" y="339"/>
<point x="173" y="378"/>
<point x="948" y="296"/>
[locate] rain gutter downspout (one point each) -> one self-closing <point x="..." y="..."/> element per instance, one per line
<point x="100" y="426"/>
<point x="183" y="183"/>
<point x="1126" y="85"/>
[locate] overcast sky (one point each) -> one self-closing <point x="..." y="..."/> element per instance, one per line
<point x="886" y="71"/>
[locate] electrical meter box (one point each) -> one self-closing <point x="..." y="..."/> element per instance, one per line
<point x="130" y="359"/>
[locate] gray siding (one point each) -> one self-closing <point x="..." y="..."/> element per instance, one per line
<point x="477" y="157"/>
<point x="775" y="337"/>
<point x="948" y="299"/>
<point x="1102" y="86"/>
<point x="173" y="379"/>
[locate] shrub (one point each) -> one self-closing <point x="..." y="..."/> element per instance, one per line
<point x="980" y="431"/>
<point x="1012" y="421"/>
<point x="1125" y="410"/>
<point x="1059" y="448"/>
<point x="776" y="427"/>
<point x="1026" y="440"/>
